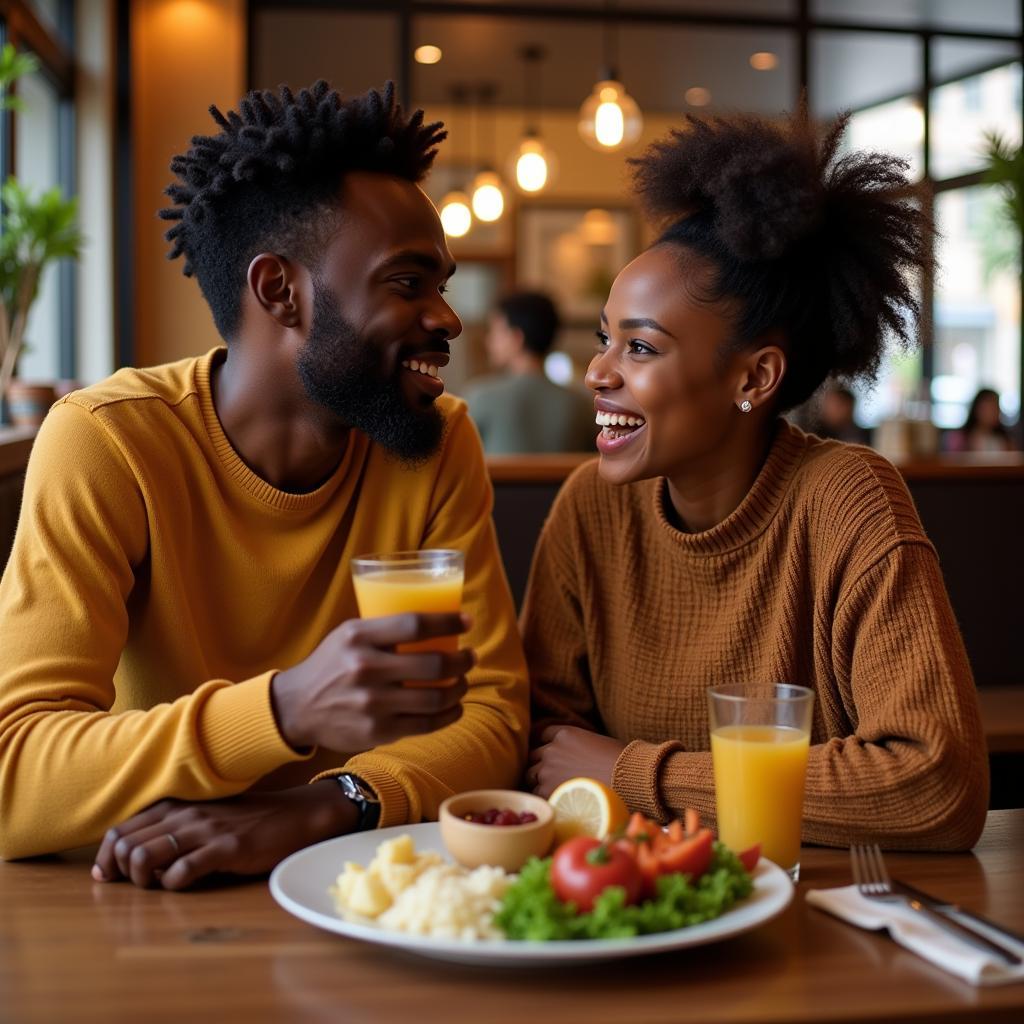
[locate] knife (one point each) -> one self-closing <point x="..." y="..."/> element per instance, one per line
<point x="954" y="911"/>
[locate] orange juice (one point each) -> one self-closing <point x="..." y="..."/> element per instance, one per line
<point x="759" y="788"/>
<point x="394" y="591"/>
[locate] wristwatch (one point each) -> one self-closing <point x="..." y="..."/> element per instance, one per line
<point x="362" y="795"/>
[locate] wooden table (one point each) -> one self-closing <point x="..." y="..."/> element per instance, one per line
<point x="72" y="950"/>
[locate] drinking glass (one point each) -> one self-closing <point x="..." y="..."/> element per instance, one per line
<point x="760" y="737"/>
<point x="411" y="581"/>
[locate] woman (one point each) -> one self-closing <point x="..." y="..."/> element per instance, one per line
<point x="983" y="430"/>
<point x="714" y="543"/>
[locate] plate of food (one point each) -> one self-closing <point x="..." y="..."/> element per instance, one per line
<point x="402" y="888"/>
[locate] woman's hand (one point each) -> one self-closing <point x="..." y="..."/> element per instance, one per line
<point x="175" y="843"/>
<point x="567" y="752"/>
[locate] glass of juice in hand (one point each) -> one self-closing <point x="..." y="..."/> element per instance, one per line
<point x="760" y="737"/>
<point x="411" y="581"/>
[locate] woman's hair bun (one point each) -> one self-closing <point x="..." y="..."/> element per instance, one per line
<point x="758" y="181"/>
<point x="825" y="248"/>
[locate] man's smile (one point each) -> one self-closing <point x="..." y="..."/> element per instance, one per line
<point x="423" y="372"/>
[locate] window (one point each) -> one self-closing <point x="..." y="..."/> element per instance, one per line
<point x="964" y="111"/>
<point x="977" y="305"/>
<point x="36" y="140"/>
<point x="38" y="149"/>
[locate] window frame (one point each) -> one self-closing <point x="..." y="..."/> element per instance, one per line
<point x="20" y="25"/>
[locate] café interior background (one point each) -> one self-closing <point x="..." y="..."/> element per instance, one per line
<point x="123" y="86"/>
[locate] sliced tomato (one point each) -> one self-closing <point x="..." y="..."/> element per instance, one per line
<point x="750" y="856"/>
<point x="641" y="829"/>
<point x="690" y="857"/>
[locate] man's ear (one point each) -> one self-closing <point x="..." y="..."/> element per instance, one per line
<point x="275" y="284"/>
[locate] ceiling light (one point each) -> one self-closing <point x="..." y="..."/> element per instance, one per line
<point x="763" y="61"/>
<point x="456" y="217"/>
<point x="488" y="196"/>
<point x="427" y="54"/>
<point x="698" y="96"/>
<point x="609" y="117"/>
<point x="532" y="164"/>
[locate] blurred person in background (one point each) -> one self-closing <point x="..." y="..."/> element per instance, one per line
<point x="835" y="417"/>
<point x="983" y="430"/>
<point x="518" y="409"/>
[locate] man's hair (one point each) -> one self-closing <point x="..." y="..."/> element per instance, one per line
<point x="535" y="315"/>
<point x="819" y="247"/>
<point x="269" y="180"/>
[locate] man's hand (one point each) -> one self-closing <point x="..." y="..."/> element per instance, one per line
<point x="175" y="843"/>
<point x="567" y="752"/>
<point x="349" y="694"/>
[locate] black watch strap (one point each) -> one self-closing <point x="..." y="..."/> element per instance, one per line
<point x="362" y="794"/>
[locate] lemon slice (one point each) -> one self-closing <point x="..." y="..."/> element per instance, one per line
<point x="586" y="807"/>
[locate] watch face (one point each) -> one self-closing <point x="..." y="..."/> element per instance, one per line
<point x="357" y="790"/>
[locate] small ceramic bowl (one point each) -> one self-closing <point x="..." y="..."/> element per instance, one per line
<point x="503" y="846"/>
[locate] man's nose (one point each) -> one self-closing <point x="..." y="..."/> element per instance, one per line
<point x="442" y="319"/>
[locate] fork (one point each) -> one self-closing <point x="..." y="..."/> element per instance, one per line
<point x="873" y="882"/>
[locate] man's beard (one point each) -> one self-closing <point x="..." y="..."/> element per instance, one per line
<point x="341" y="371"/>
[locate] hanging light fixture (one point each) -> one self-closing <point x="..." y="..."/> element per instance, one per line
<point x="532" y="162"/>
<point x="609" y="117"/>
<point x="456" y="215"/>
<point x="488" y="190"/>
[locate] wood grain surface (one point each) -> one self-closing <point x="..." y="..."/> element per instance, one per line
<point x="73" y="950"/>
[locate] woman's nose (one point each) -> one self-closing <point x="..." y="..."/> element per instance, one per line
<point x="603" y="373"/>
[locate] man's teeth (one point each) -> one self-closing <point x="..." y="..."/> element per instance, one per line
<point x="414" y="364"/>
<point x="615" y="419"/>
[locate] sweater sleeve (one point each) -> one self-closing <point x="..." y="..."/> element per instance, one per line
<point x="913" y="773"/>
<point x="486" y="748"/>
<point x="72" y="763"/>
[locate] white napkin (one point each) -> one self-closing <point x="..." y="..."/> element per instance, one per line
<point x="913" y="931"/>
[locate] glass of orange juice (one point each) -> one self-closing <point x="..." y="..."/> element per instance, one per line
<point x="760" y="737"/>
<point x="411" y="581"/>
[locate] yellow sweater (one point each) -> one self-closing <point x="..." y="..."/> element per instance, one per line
<point x="156" y="584"/>
<point x="823" y="577"/>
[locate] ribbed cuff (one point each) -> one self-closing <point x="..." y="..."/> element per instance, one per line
<point x="636" y="776"/>
<point x="394" y="804"/>
<point x="238" y="733"/>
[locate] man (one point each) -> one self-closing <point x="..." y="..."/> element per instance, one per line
<point x="178" y="630"/>
<point x="519" y="409"/>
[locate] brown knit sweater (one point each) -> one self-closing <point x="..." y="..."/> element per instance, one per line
<point x="823" y="577"/>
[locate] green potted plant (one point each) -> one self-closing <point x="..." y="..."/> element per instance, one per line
<point x="34" y="231"/>
<point x="1005" y="168"/>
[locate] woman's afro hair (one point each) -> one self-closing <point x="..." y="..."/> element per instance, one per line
<point x="823" y="248"/>
<point x="270" y="175"/>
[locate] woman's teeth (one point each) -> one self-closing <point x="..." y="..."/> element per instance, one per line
<point x="418" y="367"/>
<point x="615" y="419"/>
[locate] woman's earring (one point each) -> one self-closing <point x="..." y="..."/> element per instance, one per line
<point x="745" y="406"/>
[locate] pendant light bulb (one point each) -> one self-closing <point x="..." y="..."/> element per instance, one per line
<point x="609" y="117"/>
<point x="456" y="216"/>
<point x="533" y="165"/>
<point x="488" y="197"/>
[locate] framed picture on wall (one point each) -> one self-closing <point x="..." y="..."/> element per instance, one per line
<point x="573" y="252"/>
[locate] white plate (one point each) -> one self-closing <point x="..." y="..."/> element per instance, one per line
<point x="300" y="885"/>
